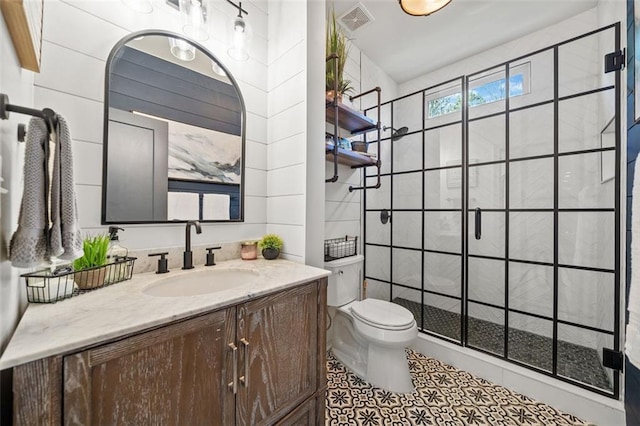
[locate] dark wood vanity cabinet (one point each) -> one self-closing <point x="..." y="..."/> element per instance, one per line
<point x="260" y="362"/>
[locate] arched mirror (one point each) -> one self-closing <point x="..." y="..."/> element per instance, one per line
<point x="174" y="133"/>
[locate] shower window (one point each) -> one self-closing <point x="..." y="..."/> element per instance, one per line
<point x="483" y="90"/>
<point x="504" y="237"/>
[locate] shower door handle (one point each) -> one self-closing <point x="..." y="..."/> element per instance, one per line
<point x="478" y="223"/>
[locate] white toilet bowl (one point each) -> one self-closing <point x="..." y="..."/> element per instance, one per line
<point x="369" y="337"/>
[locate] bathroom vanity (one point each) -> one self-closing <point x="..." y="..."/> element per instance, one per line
<point x="250" y="354"/>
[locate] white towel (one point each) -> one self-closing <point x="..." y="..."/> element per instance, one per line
<point x="28" y="246"/>
<point x="632" y="344"/>
<point x="65" y="238"/>
<point x="215" y="207"/>
<point x="183" y="206"/>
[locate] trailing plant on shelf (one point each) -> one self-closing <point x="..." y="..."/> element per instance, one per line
<point x="337" y="43"/>
<point x="271" y="244"/>
<point x="88" y="275"/>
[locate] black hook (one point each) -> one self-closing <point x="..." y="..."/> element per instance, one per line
<point x="22" y="132"/>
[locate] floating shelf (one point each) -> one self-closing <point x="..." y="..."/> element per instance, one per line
<point x="350" y="158"/>
<point x="350" y="119"/>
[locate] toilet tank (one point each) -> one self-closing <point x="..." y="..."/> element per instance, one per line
<point x="345" y="280"/>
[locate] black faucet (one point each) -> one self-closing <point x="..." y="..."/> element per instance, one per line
<point x="187" y="258"/>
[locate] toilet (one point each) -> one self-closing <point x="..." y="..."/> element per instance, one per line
<point x="368" y="336"/>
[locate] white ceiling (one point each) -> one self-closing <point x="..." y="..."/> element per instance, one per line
<point x="407" y="46"/>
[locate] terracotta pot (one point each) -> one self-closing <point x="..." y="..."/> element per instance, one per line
<point x="90" y="278"/>
<point x="270" y="253"/>
<point x="330" y="96"/>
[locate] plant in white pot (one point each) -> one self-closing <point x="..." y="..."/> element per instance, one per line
<point x="271" y="244"/>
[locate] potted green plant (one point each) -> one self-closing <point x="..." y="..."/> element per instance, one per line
<point x="336" y="43"/>
<point x="90" y="270"/>
<point x="271" y="244"/>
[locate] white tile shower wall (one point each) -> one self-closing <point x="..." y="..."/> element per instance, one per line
<point x="580" y="68"/>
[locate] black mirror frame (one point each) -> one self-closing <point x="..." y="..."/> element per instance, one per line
<point x="105" y="137"/>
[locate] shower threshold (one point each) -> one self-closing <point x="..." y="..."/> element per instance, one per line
<point x="574" y="361"/>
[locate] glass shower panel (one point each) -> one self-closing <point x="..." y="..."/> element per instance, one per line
<point x="442" y="316"/>
<point x="486" y="281"/>
<point x="443" y="146"/>
<point x="405" y="229"/>
<point x="377" y="198"/>
<point x="487" y="139"/>
<point x="586" y="239"/>
<point x="407" y="153"/>
<point x="407" y="112"/>
<point x="443" y="273"/>
<point x="580" y="66"/>
<point x="531" y="341"/>
<point x="581" y="182"/>
<point x="579" y="356"/>
<point x="531" y="288"/>
<point x="407" y="267"/>
<point x="377" y="232"/>
<point x="487" y="92"/>
<point x="378" y="263"/>
<point x="531" y="236"/>
<point x="407" y="191"/>
<point x="485" y="328"/>
<point x="586" y="298"/>
<point x="492" y="236"/>
<point x="443" y="189"/>
<point x="531" y="184"/>
<point x="582" y="119"/>
<point x="534" y="74"/>
<point x="378" y="289"/>
<point x="531" y="132"/>
<point x="410" y="299"/>
<point x="443" y="231"/>
<point x="486" y="186"/>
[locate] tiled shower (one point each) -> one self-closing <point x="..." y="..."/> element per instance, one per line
<point x="505" y="211"/>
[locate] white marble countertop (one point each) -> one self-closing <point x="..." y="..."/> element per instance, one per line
<point x="123" y="308"/>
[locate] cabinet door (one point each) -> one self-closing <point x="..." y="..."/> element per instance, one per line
<point x="277" y="336"/>
<point x="175" y="375"/>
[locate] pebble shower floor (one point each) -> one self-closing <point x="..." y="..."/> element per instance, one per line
<point x="444" y="395"/>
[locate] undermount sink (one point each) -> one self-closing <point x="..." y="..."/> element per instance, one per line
<point x="200" y="282"/>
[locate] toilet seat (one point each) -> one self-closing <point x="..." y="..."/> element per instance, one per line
<point x="382" y="314"/>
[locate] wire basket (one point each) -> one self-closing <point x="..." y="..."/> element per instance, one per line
<point x="337" y="248"/>
<point x="47" y="286"/>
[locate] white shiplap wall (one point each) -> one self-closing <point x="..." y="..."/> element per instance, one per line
<point x="287" y="126"/>
<point x="78" y="36"/>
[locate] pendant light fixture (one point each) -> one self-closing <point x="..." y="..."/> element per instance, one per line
<point x="239" y="35"/>
<point x="422" y="7"/>
<point x="194" y="19"/>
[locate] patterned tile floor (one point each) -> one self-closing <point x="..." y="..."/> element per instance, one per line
<point x="577" y="362"/>
<point x="444" y="395"/>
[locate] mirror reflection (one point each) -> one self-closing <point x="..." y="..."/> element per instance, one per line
<point x="174" y="134"/>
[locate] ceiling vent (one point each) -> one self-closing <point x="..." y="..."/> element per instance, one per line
<point x="355" y="18"/>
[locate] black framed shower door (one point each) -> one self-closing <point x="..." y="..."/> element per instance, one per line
<point x="505" y="211"/>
